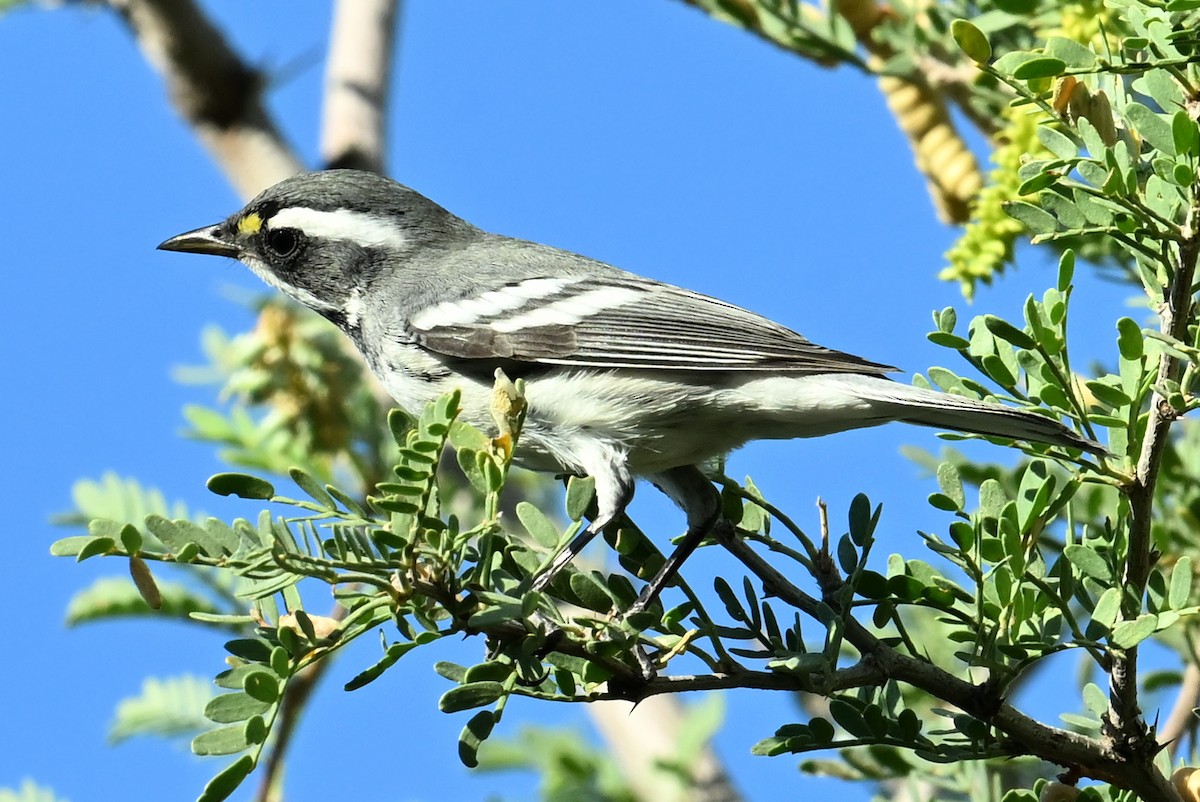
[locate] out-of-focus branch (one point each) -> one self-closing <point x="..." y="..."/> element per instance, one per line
<point x="644" y="736"/>
<point x="917" y="101"/>
<point x="357" y="79"/>
<point x="1183" y="714"/>
<point x="216" y="92"/>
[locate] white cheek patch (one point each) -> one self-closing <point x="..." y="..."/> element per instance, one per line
<point x="569" y="311"/>
<point x="342" y="224"/>
<point x="466" y="311"/>
<point x="353" y="308"/>
<point x="297" y="293"/>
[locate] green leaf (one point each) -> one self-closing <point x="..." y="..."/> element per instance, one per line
<point x="540" y="528"/>
<point x="262" y="686"/>
<point x="1108" y="608"/>
<point x="232" y="707"/>
<point x="862" y="520"/>
<point x="255" y="730"/>
<point x="451" y="671"/>
<point x="473" y="735"/>
<point x="872" y="585"/>
<point x="70" y="546"/>
<point x="947" y="340"/>
<point x="1057" y="142"/>
<point x="177" y="534"/>
<point x="131" y="539"/>
<point x="992" y="497"/>
<point x="940" y="501"/>
<point x="1039" y="67"/>
<point x="904" y="587"/>
<point x="1037" y="183"/>
<point x="1066" y="270"/>
<point x="227" y="781"/>
<point x="1068" y="214"/>
<point x="1153" y="127"/>
<point x="1128" y="634"/>
<point x="1089" y="562"/>
<point x="312" y="487"/>
<point x="847" y="555"/>
<point x="971" y="40"/>
<point x="1181" y="583"/>
<point x="464" y="435"/>
<point x="466" y="697"/>
<point x="995" y="367"/>
<point x="951" y="484"/>
<point x="493" y="670"/>
<point x="1036" y="220"/>
<point x="1012" y="60"/>
<point x="1107" y="394"/>
<point x="1008" y="332"/>
<point x="241" y="485"/>
<point x="590" y="588"/>
<point x="822" y="731"/>
<point x="1130" y="341"/>
<point x="1185" y="133"/>
<point x="1070" y="52"/>
<point x="580" y="492"/>
<point x="255" y="650"/>
<point x="96" y="547"/>
<point x="221" y="741"/>
<point x="848" y="718"/>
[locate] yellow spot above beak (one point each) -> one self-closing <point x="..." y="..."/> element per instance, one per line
<point x="250" y="224"/>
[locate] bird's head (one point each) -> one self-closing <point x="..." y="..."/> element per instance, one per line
<point x="323" y="238"/>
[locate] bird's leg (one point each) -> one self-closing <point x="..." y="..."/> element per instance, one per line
<point x="614" y="491"/>
<point x="688" y="487"/>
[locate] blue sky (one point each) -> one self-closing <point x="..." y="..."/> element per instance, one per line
<point x="638" y="132"/>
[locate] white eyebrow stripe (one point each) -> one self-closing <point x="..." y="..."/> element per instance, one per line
<point x="466" y="311"/>
<point x="569" y="311"/>
<point x="369" y="230"/>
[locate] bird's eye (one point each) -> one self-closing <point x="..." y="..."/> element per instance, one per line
<point x="282" y="242"/>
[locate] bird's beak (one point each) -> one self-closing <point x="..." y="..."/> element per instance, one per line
<point x="209" y="239"/>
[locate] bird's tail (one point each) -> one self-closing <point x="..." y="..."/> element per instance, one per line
<point x="946" y="411"/>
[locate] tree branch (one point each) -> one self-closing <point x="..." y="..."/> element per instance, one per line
<point x="1091" y="757"/>
<point x="215" y="92"/>
<point x="644" y="738"/>
<point x="357" y="81"/>
<point x="1126" y="726"/>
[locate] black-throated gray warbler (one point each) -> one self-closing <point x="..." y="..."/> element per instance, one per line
<point x="624" y="375"/>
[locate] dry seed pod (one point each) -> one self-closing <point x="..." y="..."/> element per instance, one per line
<point x="1058" y="792"/>
<point x="322" y="625"/>
<point x="1187" y="782"/>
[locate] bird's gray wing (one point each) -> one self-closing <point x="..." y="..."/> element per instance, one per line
<point x="621" y="321"/>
